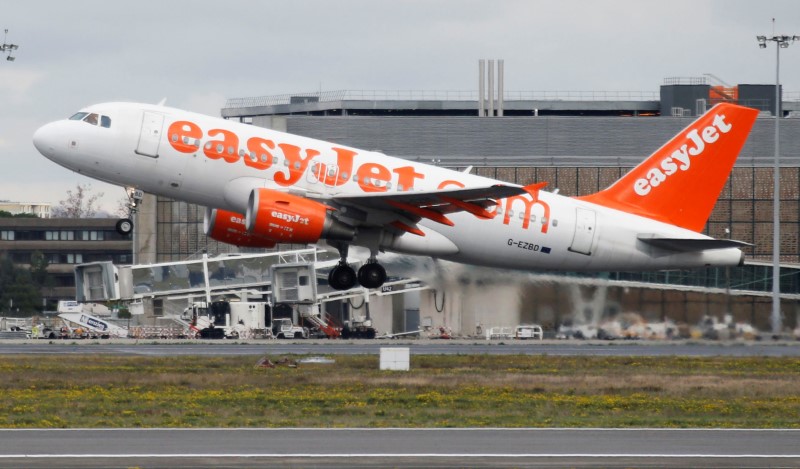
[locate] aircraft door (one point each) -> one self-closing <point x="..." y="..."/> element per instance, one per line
<point x="584" y="231"/>
<point x="150" y="136"/>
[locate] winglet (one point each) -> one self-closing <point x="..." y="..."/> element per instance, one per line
<point x="680" y="183"/>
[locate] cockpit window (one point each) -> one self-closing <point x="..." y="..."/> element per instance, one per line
<point x="92" y="118"/>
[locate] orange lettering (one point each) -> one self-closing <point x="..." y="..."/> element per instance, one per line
<point x="297" y="164"/>
<point x="259" y="157"/>
<point x="182" y="134"/>
<point x="528" y="207"/>
<point x="450" y="182"/>
<point x="373" y="171"/>
<point x="344" y="163"/>
<point x="406" y="176"/>
<point x="225" y="148"/>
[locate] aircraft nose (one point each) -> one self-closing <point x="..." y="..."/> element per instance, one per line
<point x="44" y="139"/>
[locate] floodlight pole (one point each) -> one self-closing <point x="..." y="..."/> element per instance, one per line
<point x="8" y="47"/>
<point x="781" y="42"/>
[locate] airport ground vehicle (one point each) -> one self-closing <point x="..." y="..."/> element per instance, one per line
<point x="223" y="319"/>
<point x="283" y="328"/>
<point x="358" y="328"/>
<point x="528" y="331"/>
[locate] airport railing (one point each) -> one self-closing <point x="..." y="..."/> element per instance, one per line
<point x="435" y="95"/>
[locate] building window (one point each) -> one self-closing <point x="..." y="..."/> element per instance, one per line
<point x="7" y="235"/>
<point x="87" y="235"/>
<point x="50" y="235"/>
<point x="74" y="258"/>
<point x="67" y="235"/>
<point x="158" y="307"/>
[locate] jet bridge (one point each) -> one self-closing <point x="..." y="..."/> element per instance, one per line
<point x="290" y="278"/>
<point x="104" y="281"/>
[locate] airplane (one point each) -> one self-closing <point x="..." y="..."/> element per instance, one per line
<point x="262" y="187"/>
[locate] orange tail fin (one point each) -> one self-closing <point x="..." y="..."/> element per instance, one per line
<point x="680" y="183"/>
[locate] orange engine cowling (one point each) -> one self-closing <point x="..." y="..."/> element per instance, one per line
<point x="228" y="227"/>
<point x="287" y="218"/>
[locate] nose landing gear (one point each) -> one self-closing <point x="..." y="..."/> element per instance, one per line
<point x="124" y="226"/>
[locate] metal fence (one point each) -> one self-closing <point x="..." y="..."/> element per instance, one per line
<point x="436" y="95"/>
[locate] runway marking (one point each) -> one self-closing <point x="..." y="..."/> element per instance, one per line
<point x="406" y="455"/>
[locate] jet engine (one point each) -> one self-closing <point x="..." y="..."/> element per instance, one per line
<point x="228" y="227"/>
<point x="288" y="218"/>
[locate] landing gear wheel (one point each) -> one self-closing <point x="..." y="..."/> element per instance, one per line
<point x="371" y="275"/>
<point x="342" y="277"/>
<point x="124" y="226"/>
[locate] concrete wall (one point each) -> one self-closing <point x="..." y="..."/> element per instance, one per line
<point x="530" y="141"/>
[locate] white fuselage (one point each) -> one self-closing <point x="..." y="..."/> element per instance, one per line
<point x="551" y="232"/>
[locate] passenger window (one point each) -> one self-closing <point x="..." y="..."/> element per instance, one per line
<point x="105" y="121"/>
<point x="91" y="119"/>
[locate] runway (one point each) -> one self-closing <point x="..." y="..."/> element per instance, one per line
<point x="344" y="448"/>
<point x="399" y="447"/>
<point x="417" y="347"/>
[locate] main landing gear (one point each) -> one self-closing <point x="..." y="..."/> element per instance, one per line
<point x="371" y="274"/>
<point x="343" y="277"/>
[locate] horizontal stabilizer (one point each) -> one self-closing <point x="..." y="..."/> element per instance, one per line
<point x="690" y="244"/>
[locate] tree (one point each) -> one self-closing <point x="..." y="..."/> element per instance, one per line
<point x="123" y="207"/>
<point x="39" y="265"/>
<point x="79" y="204"/>
<point x="18" y="291"/>
<point x="5" y="214"/>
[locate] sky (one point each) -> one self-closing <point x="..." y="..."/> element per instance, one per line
<point x="198" y="53"/>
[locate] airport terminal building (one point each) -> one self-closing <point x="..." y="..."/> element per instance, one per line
<point x="578" y="143"/>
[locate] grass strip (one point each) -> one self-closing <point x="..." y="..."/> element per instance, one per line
<point x="440" y="391"/>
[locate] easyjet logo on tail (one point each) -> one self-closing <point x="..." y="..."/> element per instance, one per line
<point x="681" y="159"/>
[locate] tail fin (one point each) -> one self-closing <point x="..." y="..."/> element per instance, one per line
<point x="680" y="183"/>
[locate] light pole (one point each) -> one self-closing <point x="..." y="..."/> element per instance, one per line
<point x="781" y="42"/>
<point x="8" y="48"/>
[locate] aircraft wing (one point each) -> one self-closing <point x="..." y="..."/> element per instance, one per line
<point x="690" y="244"/>
<point x="398" y="208"/>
